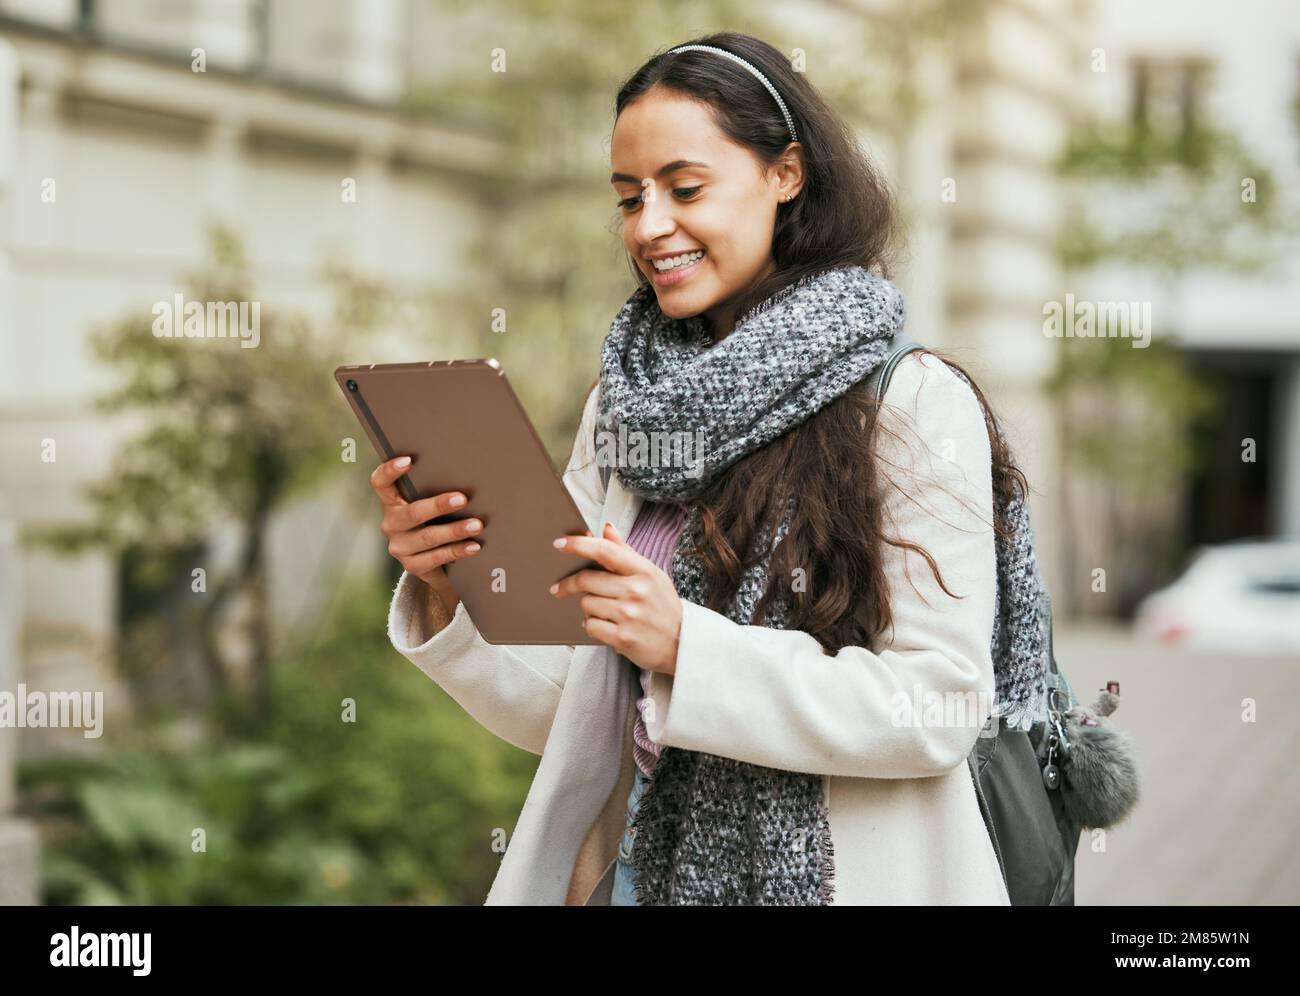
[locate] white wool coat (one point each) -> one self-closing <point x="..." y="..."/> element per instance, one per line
<point x="905" y="822"/>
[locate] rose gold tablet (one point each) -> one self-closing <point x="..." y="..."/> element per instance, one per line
<point x="464" y="429"/>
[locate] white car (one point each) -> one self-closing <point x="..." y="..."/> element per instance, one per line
<point x="1242" y="597"/>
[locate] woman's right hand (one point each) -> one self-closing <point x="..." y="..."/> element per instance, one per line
<point x="423" y="550"/>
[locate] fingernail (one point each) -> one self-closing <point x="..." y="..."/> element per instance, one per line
<point x="457" y="501"/>
<point x="401" y="461"/>
<point x="473" y="548"/>
<point x="473" y="525"/>
<point x="559" y="543"/>
<point x="555" y="587"/>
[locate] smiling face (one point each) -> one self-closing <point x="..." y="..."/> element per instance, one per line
<point x="696" y="204"/>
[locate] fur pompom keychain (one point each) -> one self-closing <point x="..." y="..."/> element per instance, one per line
<point x="1099" y="778"/>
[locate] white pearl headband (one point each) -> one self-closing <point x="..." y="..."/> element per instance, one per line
<point x="789" y="121"/>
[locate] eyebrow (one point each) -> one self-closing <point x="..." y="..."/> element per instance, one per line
<point x="671" y="167"/>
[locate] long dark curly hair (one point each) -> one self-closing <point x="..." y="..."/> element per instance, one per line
<point x="844" y="216"/>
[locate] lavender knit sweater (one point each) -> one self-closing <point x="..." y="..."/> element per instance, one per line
<point x="654" y="535"/>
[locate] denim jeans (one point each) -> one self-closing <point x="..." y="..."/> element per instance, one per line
<point x="623" y="894"/>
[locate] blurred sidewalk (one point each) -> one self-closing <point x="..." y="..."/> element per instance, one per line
<point x="1221" y="797"/>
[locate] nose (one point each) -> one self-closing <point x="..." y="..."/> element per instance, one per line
<point x="655" y="219"/>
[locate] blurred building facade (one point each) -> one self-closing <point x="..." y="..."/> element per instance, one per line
<point x="1242" y="332"/>
<point x="103" y="99"/>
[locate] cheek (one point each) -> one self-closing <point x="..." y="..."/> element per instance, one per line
<point x="736" y="235"/>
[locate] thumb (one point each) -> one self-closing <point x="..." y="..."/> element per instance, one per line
<point x="612" y="534"/>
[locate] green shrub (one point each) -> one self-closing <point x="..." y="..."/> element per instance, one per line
<point x="401" y="805"/>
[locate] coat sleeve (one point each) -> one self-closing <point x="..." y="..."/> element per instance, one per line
<point x="772" y="697"/>
<point x="513" y="691"/>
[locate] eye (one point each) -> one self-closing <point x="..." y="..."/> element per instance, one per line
<point x="682" y="193"/>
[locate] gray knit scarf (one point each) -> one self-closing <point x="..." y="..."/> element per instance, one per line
<point x="713" y="830"/>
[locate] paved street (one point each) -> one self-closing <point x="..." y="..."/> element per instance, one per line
<point x="1221" y="797"/>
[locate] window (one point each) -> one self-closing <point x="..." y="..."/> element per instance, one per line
<point x="1168" y="95"/>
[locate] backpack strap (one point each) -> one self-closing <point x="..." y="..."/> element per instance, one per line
<point x="877" y="382"/>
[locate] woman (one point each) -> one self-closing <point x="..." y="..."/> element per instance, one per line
<point x="799" y="618"/>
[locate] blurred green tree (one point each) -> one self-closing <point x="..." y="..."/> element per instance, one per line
<point x="227" y="434"/>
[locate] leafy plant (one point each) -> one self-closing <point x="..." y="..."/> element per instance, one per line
<point x="409" y="803"/>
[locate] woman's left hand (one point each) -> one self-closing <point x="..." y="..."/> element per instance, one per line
<point x="631" y="606"/>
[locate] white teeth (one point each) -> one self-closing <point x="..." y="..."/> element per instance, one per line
<point x="673" y="262"/>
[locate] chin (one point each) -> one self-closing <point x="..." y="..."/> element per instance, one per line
<point x="684" y="303"/>
<point x="678" y="309"/>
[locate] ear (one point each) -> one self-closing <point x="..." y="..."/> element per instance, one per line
<point x="788" y="172"/>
